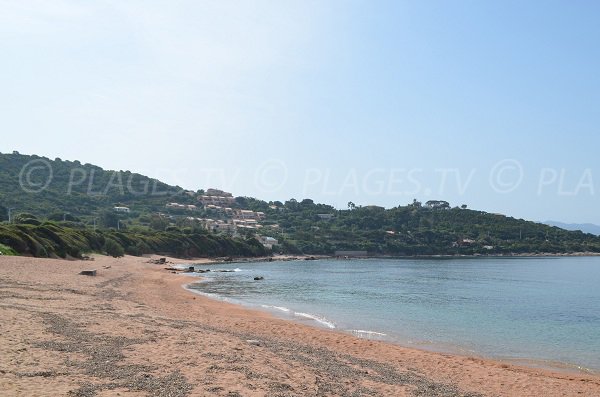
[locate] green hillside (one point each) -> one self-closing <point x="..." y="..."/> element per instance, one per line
<point x="42" y="186"/>
<point x="418" y="229"/>
<point x="66" y="208"/>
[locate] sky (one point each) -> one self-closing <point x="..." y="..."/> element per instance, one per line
<point x="489" y="104"/>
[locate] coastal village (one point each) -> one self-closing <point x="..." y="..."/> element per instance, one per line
<point x="217" y="211"/>
<point x="221" y="215"/>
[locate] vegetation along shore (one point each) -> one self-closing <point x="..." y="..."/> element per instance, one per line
<point x="83" y="208"/>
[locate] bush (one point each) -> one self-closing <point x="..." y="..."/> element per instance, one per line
<point x="23" y="217"/>
<point x="4" y="250"/>
<point x="112" y="248"/>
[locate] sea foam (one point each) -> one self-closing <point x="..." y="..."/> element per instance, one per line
<point x="318" y="319"/>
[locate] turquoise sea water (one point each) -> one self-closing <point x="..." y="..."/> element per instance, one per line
<point x="542" y="311"/>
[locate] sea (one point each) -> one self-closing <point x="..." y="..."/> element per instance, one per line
<point x="538" y="311"/>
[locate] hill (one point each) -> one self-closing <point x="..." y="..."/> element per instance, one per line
<point x="433" y="228"/>
<point x="42" y="186"/>
<point x="84" y="202"/>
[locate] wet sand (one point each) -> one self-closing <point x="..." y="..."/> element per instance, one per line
<point x="132" y="330"/>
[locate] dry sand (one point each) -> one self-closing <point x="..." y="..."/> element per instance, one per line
<point x="134" y="331"/>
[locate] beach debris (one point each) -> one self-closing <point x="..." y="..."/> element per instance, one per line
<point x="257" y="278"/>
<point x="88" y="272"/>
<point x="190" y="268"/>
<point x="107" y="267"/>
<point x="253" y="342"/>
<point x="202" y="271"/>
<point x="159" y="261"/>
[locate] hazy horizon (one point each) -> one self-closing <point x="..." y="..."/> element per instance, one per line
<point x="493" y="105"/>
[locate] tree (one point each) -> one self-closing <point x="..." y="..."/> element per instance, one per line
<point x="109" y="219"/>
<point x="351" y="205"/>
<point x="242" y="202"/>
<point x="291" y="204"/>
<point x="3" y="213"/>
<point x="158" y="222"/>
<point x="437" y="204"/>
<point x="464" y="206"/>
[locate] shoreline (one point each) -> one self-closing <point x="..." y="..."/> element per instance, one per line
<point x="134" y="330"/>
<point x="315" y="321"/>
<point x="425" y="346"/>
<point x="305" y="257"/>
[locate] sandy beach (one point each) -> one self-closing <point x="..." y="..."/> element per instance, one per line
<point x="132" y="330"/>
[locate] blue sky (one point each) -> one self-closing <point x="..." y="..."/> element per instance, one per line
<point x="491" y="104"/>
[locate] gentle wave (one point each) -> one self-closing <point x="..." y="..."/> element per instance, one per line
<point x="318" y="319"/>
<point x="208" y="295"/>
<point x="281" y="308"/>
<point x="181" y="267"/>
<point x="365" y="333"/>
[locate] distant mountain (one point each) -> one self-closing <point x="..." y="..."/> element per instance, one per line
<point x="584" y="227"/>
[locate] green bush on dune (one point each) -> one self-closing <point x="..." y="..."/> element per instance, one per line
<point x="112" y="248"/>
<point x="4" y="250"/>
<point x="49" y="239"/>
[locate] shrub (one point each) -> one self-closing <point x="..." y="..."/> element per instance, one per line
<point x="4" y="250"/>
<point x="112" y="248"/>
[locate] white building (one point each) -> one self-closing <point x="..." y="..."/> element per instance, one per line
<point x="218" y="226"/>
<point x="177" y="206"/>
<point x="248" y="214"/>
<point x="223" y="201"/>
<point x="325" y="217"/>
<point x="268" y="242"/>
